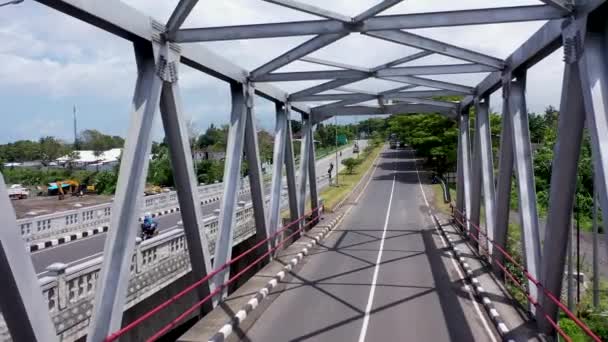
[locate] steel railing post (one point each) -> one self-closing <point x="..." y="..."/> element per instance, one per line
<point x="312" y="175"/>
<point x="303" y="175"/>
<point x="487" y="167"/>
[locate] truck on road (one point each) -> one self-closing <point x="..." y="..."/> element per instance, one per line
<point x="17" y="192"/>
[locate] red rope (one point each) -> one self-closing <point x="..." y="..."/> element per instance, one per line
<point x="116" y="335"/>
<point x="547" y="293"/>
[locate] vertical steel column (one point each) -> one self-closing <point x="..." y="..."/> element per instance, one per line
<point x="525" y="180"/>
<point x="232" y="177"/>
<point x="280" y="135"/>
<point x="465" y="150"/>
<point x="256" y="181"/>
<point x="487" y="167"/>
<point x="183" y="170"/>
<point x="312" y="174"/>
<point x="290" y="169"/>
<point x="476" y="177"/>
<point x="505" y="175"/>
<point x="459" y="179"/>
<point x="120" y="241"/>
<point x="303" y="176"/>
<point x="566" y="153"/>
<point x="593" y="66"/>
<point x="23" y="307"/>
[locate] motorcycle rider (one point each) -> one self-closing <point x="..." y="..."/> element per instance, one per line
<point x="149" y="225"/>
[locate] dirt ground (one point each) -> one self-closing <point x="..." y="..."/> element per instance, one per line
<point x="43" y="205"/>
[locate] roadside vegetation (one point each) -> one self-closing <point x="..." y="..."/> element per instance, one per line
<point x="355" y="169"/>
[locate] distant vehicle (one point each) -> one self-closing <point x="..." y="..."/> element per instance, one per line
<point x="356" y="148"/>
<point x="393" y="144"/>
<point x="400" y="144"/>
<point x="17" y="192"/>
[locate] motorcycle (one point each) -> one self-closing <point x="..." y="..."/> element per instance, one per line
<point x="149" y="232"/>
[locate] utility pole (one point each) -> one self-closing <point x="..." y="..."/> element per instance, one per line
<point x="76" y="144"/>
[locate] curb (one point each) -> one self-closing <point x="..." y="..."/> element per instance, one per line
<point x="67" y="238"/>
<point x="241" y="315"/>
<point x="499" y="323"/>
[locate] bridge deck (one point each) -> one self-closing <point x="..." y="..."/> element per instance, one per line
<point x="383" y="274"/>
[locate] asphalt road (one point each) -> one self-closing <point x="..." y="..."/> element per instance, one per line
<point x="92" y="247"/>
<point x="382" y="275"/>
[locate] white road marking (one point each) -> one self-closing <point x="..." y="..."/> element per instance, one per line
<point x="372" y="290"/>
<point x="481" y="315"/>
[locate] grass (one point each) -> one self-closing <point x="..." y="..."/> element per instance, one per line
<point x="332" y="195"/>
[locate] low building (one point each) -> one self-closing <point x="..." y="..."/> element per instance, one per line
<point x="88" y="160"/>
<point x="209" y="154"/>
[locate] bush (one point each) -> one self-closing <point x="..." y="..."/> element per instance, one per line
<point x="350" y="164"/>
<point x="105" y="182"/>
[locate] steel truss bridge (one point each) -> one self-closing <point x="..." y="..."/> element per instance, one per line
<point x="580" y="27"/>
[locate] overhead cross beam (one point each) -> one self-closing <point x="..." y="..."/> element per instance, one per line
<point x="402" y="108"/>
<point x="333" y="64"/>
<point x="179" y="15"/>
<point x="378" y="23"/>
<point x="565" y="5"/>
<point x="310" y="9"/>
<point x="402" y="60"/>
<point x="425" y="82"/>
<point x="442" y="48"/>
<point x="391" y="72"/>
<point x="302" y="50"/>
<point x="382" y="6"/>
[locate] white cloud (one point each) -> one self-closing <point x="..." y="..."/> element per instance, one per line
<point x="49" y="54"/>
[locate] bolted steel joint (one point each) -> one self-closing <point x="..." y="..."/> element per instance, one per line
<point x="573" y="47"/>
<point x="167" y="71"/>
<point x="249" y="94"/>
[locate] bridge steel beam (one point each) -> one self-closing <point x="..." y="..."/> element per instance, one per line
<point x="304" y="160"/>
<point x="475" y="210"/>
<point x="310" y="9"/>
<point x="323" y="87"/>
<point x="524" y="172"/>
<point x="179" y="15"/>
<point x="593" y="66"/>
<point x="256" y="181"/>
<point x="183" y="173"/>
<point x="333" y="64"/>
<point x="571" y="123"/>
<point x="120" y="240"/>
<point x="505" y="176"/>
<point x="278" y="159"/>
<point x="312" y="173"/>
<point x="232" y="178"/>
<point x="383" y="73"/>
<point x="431" y="45"/>
<point x="372" y="11"/>
<point x="23" y="307"/>
<point x="425" y="82"/>
<point x="482" y="120"/>
<point x="402" y="60"/>
<point x="290" y="169"/>
<point x="465" y="164"/>
<point x="301" y="50"/>
<point x="403" y="108"/>
<point x="378" y="23"/>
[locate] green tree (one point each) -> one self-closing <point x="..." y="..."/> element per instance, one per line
<point x="350" y="164"/>
<point x="51" y="149"/>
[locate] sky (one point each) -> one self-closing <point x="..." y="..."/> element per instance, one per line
<point x="50" y="62"/>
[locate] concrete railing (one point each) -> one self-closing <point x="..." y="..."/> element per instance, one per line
<point x="54" y="225"/>
<point x="70" y="289"/>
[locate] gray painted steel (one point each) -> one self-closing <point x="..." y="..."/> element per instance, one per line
<point x="114" y="277"/>
<point x="392" y="22"/>
<point x="505" y="175"/>
<point x="303" y="175"/>
<point x="290" y="170"/>
<point x="310" y="9"/>
<point x="420" y="42"/>
<point x="465" y="156"/>
<point x="475" y="210"/>
<point x="278" y="159"/>
<point x="425" y="82"/>
<point x="564" y="168"/>
<point x="403" y="60"/>
<point x="232" y="178"/>
<point x="487" y="167"/>
<point x="380" y="7"/>
<point x="524" y="171"/>
<point x="179" y="15"/>
<point x="23" y="307"/>
<point x="256" y="180"/>
<point x="312" y="174"/>
<point x="185" y="180"/>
